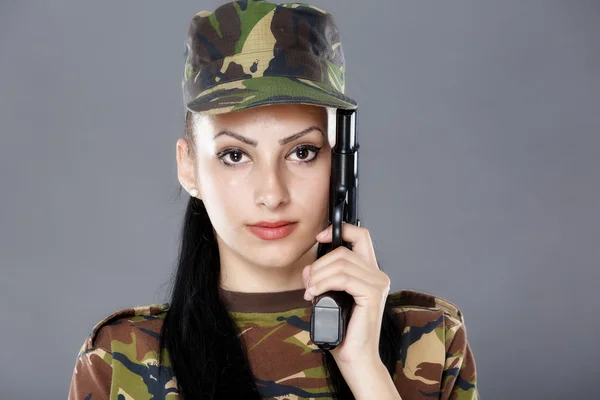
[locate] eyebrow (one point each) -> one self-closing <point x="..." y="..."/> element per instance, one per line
<point x="282" y="142"/>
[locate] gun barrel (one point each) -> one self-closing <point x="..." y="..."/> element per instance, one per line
<point x="346" y="121"/>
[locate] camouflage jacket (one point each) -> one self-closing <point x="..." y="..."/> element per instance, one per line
<point x="118" y="360"/>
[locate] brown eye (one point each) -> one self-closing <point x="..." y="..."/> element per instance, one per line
<point x="235" y="156"/>
<point x="302" y="153"/>
<point x="231" y="157"/>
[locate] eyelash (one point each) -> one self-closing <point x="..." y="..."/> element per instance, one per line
<point x="220" y="155"/>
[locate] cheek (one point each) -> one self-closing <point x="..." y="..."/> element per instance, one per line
<point x="312" y="193"/>
<point x="217" y="180"/>
<point x="221" y="194"/>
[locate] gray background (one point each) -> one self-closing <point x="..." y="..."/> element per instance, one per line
<point x="480" y="169"/>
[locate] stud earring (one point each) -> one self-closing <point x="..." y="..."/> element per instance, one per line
<point x="194" y="192"/>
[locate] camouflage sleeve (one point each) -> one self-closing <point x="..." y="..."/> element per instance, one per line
<point x="92" y="374"/>
<point x="459" y="377"/>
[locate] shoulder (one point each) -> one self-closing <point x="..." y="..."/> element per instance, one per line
<point x="411" y="299"/>
<point x="435" y="356"/>
<point x="424" y="313"/>
<point x="126" y="325"/>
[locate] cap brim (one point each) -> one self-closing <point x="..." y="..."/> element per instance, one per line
<point x="267" y="90"/>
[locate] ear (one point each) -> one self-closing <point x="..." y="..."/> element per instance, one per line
<point x="186" y="171"/>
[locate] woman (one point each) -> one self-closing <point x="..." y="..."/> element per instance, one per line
<point x="260" y="83"/>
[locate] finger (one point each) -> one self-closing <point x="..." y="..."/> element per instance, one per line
<point x="340" y="267"/>
<point x="306" y="275"/>
<point x="358" y="236"/>
<point x="359" y="289"/>
<point x="340" y="253"/>
<point x="361" y="245"/>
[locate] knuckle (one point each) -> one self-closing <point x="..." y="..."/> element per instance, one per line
<point x="388" y="286"/>
<point x="387" y="282"/>
<point x="386" y="279"/>
<point x="341" y="249"/>
<point x="344" y="251"/>
<point x="366" y="232"/>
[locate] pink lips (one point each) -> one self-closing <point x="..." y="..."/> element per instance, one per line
<point x="277" y="231"/>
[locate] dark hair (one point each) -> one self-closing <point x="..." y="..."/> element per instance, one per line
<point x="208" y="358"/>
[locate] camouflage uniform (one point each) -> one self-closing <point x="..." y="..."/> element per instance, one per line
<point x="118" y="360"/>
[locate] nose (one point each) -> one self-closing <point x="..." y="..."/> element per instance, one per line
<point x="271" y="189"/>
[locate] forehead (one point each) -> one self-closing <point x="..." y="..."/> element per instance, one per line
<point x="280" y="117"/>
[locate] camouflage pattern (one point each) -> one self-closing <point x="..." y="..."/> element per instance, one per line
<point x="251" y="53"/>
<point x="118" y="360"/>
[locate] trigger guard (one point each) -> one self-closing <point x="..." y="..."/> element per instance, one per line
<point x="338" y="213"/>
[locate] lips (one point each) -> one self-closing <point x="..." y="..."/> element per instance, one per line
<point x="279" y="231"/>
<point x="275" y="224"/>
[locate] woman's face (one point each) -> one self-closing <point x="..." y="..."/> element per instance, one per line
<point x="279" y="170"/>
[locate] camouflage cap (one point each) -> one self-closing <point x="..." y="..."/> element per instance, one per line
<point x="253" y="53"/>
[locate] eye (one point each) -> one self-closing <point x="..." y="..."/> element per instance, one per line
<point x="303" y="152"/>
<point x="231" y="157"/>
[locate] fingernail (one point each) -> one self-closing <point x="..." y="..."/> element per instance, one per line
<point x="320" y="235"/>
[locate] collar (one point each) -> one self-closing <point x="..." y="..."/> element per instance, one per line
<point x="264" y="302"/>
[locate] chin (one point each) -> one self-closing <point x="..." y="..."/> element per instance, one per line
<point x="276" y="257"/>
<point x="278" y="253"/>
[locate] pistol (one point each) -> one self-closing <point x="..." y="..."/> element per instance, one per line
<point x="331" y="310"/>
